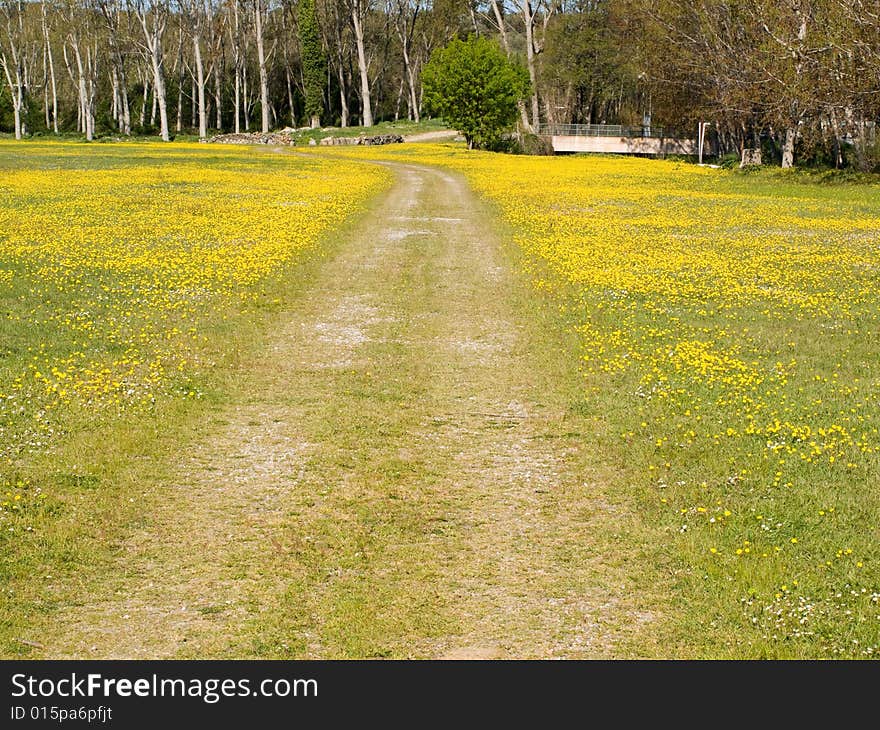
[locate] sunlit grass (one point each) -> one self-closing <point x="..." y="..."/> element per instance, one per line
<point x="729" y="340"/>
<point x="129" y="275"/>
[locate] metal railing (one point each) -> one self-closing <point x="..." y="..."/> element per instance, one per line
<point x="598" y="130"/>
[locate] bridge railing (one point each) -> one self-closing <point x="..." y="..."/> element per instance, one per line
<point x="598" y="130"/>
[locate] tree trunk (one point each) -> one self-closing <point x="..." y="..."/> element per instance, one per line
<point x="200" y="84"/>
<point x="289" y="82"/>
<point x="245" y="99"/>
<point x="179" y="125"/>
<point x="85" y="113"/>
<point x="261" y="58"/>
<point x="343" y="100"/>
<point x="92" y="85"/>
<point x="502" y="29"/>
<point x="159" y="94"/>
<point x="529" y="21"/>
<point x="115" y="105"/>
<point x="124" y="112"/>
<point x="181" y="79"/>
<point x="51" y="71"/>
<point x="399" y="99"/>
<point x="46" y="91"/>
<point x="236" y="58"/>
<point x="367" y="110"/>
<point x="237" y="102"/>
<point x="499" y="19"/>
<point x="788" y="147"/>
<point x="218" y="99"/>
<point x="153" y="38"/>
<point x="144" y="100"/>
<point x="16" y="116"/>
<point x="413" y="100"/>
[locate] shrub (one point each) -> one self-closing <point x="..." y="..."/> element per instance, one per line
<point x="475" y="88"/>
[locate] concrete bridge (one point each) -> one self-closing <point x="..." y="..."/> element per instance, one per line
<point x="615" y="139"/>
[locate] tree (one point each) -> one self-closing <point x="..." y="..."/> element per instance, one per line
<point x="498" y="15"/>
<point x="314" y="65"/>
<point x="358" y="11"/>
<point x="80" y="32"/>
<point x="193" y="19"/>
<point x="260" y="17"/>
<point x="153" y="18"/>
<point x="530" y="15"/>
<point x="13" y="61"/>
<point x="49" y="62"/>
<point x="406" y="15"/>
<point x="585" y="68"/>
<point x="475" y="88"/>
<point x="337" y="32"/>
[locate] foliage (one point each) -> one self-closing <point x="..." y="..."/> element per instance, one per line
<point x="801" y="71"/>
<point x="314" y="64"/>
<point x="475" y="88"/>
<point x="584" y="65"/>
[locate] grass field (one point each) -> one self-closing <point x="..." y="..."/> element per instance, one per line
<point x="729" y="333"/>
<point x="130" y="277"/>
<point x="728" y="353"/>
<point x="729" y="342"/>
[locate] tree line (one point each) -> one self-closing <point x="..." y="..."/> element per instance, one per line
<point x="798" y="78"/>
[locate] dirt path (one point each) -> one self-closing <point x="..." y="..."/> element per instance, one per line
<point x="400" y="475"/>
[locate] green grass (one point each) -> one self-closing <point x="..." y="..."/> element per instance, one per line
<point x="772" y="553"/>
<point x="382" y="522"/>
<point x="76" y="473"/>
<point x="769" y="549"/>
<point x="410" y="523"/>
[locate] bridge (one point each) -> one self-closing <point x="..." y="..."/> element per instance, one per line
<point x="615" y="139"/>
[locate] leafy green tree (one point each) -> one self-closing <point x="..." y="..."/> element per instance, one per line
<point x="314" y="65"/>
<point x="585" y="73"/>
<point x="475" y="88"/>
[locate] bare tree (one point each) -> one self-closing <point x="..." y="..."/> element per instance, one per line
<point x="260" y="17"/>
<point x="406" y="15"/>
<point x="357" y="12"/>
<point x="12" y="58"/>
<point x="153" y="18"/>
<point x="336" y="31"/>
<point x="194" y="18"/>
<point x="788" y="63"/>
<point x="499" y="20"/>
<point x="112" y="11"/>
<point x="81" y="38"/>
<point x="531" y="12"/>
<point x="50" y="68"/>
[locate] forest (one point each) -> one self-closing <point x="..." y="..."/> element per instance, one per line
<point x="799" y="79"/>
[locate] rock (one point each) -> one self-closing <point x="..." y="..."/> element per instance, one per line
<point x="751" y="157"/>
<point x="383" y="139"/>
<point x="329" y="141"/>
<point x="276" y="138"/>
<point x="312" y="142"/>
<point x="363" y="139"/>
